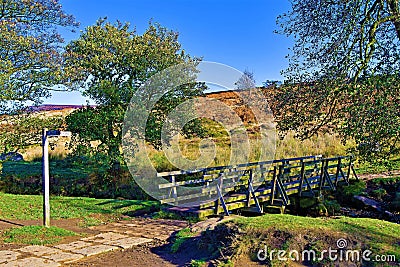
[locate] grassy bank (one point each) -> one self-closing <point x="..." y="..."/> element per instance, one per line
<point x="29" y="207"/>
<point x="288" y="233"/>
<point x="89" y="211"/>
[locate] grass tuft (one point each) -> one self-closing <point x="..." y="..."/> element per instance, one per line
<point x="181" y="237"/>
<point x="35" y="235"/>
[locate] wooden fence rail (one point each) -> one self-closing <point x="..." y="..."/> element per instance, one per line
<point x="226" y="188"/>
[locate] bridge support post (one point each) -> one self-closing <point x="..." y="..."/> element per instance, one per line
<point x="302" y="174"/>
<point x="273" y="186"/>
<point x="251" y="193"/>
<point x="248" y="193"/>
<point x="339" y="164"/>
<point x="349" y="169"/>
<point x="220" y="199"/>
<point x="321" y="178"/>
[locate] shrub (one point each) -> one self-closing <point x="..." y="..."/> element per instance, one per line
<point x="345" y="194"/>
<point x="332" y="206"/>
<point x="395" y="204"/>
<point x="379" y="193"/>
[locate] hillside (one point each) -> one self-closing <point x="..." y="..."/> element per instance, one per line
<point x="230" y="98"/>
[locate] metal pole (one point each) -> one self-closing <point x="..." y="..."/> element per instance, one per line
<point x="45" y="181"/>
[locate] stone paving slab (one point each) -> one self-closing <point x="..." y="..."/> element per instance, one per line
<point x="162" y="237"/>
<point x="64" y="257"/>
<point x="128" y="242"/>
<point x="39" y="250"/>
<point x="73" y="245"/>
<point x="93" y="250"/>
<point x="31" y="262"/>
<point x="113" y="237"/>
<point x="105" y="237"/>
<point x="8" y="255"/>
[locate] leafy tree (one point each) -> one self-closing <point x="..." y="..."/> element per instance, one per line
<point x="246" y="81"/>
<point x="101" y="124"/>
<point x="30" y="48"/>
<point x="343" y="73"/>
<point x="110" y="62"/>
<point x="24" y="130"/>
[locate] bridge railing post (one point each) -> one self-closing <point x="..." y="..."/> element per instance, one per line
<point x="321" y="178"/>
<point x="302" y="175"/>
<point x="251" y="193"/>
<point x="339" y="164"/>
<point x="282" y="190"/>
<point x="328" y="176"/>
<point x="221" y="195"/>
<point x="273" y="185"/>
<point x="248" y="193"/>
<point x="351" y="167"/>
<point x="173" y="191"/>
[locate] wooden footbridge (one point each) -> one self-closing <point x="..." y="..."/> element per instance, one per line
<point x="254" y="186"/>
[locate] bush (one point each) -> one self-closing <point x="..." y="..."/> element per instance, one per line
<point x="346" y="193"/>
<point x="332" y="206"/>
<point x="379" y="193"/>
<point x="395" y="204"/>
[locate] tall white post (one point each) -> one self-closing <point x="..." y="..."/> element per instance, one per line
<point x="45" y="182"/>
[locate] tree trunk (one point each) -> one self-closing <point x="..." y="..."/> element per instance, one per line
<point x="113" y="149"/>
<point x="394" y="11"/>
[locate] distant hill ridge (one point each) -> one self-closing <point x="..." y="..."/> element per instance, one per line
<point x="51" y="107"/>
<point x="229" y="97"/>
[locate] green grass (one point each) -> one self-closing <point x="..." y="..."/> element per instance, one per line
<point x="29" y="207"/>
<point x="198" y="263"/>
<point x="34" y="235"/>
<point x="380" y="236"/>
<point x="59" y="168"/>
<point x="386" y="181"/>
<point x="181" y="237"/>
<point x="366" y="167"/>
<point x="162" y="214"/>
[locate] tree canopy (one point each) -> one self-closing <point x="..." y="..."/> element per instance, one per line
<point x="30" y="48"/>
<point x="246" y="81"/>
<point x="110" y="62"/>
<point x="343" y="73"/>
<point x="343" y="39"/>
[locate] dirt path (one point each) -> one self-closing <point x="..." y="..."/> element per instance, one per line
<point x="142" y="255"/>
<point x="387" y="174"/>
<point x="156" y="253"/>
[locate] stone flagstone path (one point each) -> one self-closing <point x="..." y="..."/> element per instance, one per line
<point x="120" y="235"/>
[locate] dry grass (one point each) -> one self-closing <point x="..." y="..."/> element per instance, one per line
<point x="59" y="150"/>
<point x="327" y="145"/>
<point x="190" y="149"/>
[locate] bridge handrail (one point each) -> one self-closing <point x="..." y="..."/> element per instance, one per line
<point x="181" y="172"/>
<point x="237" y="171"/>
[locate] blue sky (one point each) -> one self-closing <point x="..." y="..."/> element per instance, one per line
<point x="236" y="33"/>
